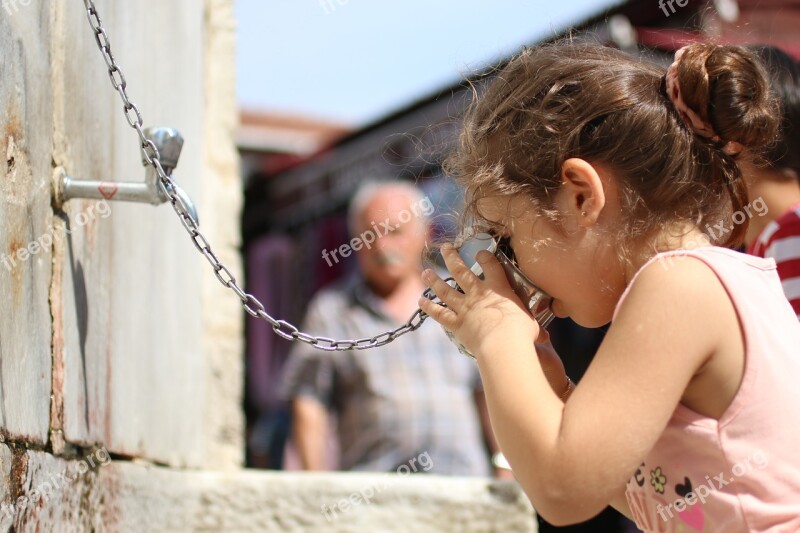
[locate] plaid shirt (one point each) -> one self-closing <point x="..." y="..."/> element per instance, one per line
<point x="393" y="403"/>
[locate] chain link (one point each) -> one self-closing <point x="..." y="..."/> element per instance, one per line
<point x="250" y="303"/>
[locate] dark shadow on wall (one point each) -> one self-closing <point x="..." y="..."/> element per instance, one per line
<point x="81" y="298"/>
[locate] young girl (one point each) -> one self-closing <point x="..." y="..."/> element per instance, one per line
<point x="618" y="188"/>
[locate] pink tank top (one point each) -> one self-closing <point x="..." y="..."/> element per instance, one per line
<point x="741" y="472"/>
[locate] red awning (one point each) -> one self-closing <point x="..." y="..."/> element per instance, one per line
<point x="671" y="40"/>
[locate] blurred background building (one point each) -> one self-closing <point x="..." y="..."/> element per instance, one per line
<point x="299" y="174"/>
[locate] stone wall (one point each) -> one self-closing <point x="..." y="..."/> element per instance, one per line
<point x="123" y="496"/>
<point x="112" y="333"/>
<point x="108" y="303"/>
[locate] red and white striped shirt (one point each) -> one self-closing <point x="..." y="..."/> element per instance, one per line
<point x="780" y="240"/>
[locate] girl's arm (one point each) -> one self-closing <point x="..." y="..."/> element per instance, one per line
<point x="572" y="459"/>
<point x="553" y="369"/>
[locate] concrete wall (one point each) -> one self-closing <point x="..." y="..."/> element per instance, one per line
<point x="26" y="117"/>
<point x="115" y="310"/>
<point x="112" y="332"/>
<point x="121" y="496"/>
<point x="135" y="310"/>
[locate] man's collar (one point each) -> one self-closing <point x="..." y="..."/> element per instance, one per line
<point x="361" y="294"/>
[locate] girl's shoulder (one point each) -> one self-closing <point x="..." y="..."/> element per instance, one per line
<point x="683" y="273"/>
<point x="706" y="282"/>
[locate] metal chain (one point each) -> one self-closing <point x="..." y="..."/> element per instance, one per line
<point x="250" y="303"/>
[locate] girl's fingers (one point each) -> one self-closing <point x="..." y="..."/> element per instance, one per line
<point x="442" y="289"/>
<point x="465" y="278"/>
<point x="444" y="316"/>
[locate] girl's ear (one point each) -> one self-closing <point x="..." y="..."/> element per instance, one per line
<point x="582" y="193"/>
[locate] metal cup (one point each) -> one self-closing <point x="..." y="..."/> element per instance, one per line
<point x="535" y="300"/>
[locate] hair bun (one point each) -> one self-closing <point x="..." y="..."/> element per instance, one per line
<point x="728" y="88"/>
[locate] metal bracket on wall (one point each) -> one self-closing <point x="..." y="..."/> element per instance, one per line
<point x="169" y="143"/>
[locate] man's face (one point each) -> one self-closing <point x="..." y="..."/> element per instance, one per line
<point x="399" y="237"/>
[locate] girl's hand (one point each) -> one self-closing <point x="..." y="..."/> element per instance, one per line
<point x="488" y="314"/>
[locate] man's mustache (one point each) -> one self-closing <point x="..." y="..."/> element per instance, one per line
<point x="388" y="257"/>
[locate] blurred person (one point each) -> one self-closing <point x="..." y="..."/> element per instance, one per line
<point x="414" y="396"/>
<point x="776" y="179"/>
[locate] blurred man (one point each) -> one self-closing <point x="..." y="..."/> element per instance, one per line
<point x="416" y="397"/>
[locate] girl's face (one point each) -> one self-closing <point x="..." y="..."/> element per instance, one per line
<point x="578" y="266"/>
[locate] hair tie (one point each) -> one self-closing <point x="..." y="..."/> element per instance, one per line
<point x="689" y="116"/>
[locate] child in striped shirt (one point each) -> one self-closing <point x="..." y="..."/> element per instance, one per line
<point x="777" y="179"/>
